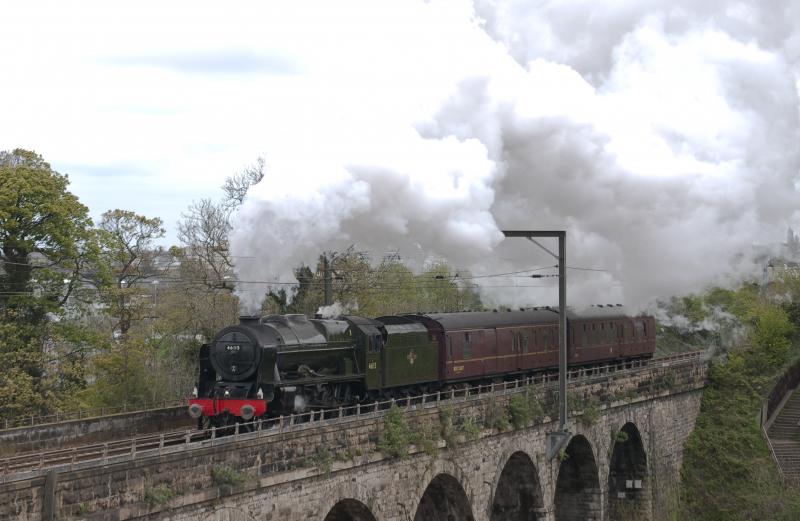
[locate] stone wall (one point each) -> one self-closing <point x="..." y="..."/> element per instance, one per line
<point x="92" y="430"/>
<point x="303" y="471"/>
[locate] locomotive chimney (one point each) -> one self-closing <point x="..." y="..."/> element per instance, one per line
<point x="249" y="320"/>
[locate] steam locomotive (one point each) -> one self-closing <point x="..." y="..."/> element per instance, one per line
<point x="282" y="364"/>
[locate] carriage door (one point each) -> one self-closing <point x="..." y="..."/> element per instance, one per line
<point x="522" y="339"/>
<point x="374" y="370"/>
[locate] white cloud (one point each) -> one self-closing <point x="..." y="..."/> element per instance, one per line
<point x="662" y="135"/>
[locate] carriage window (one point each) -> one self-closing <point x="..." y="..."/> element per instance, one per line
<point x="467" y="346"/>
<point x="524" y="342"/>
<point x="514" y="342"/>
<point x="450" y="347"/>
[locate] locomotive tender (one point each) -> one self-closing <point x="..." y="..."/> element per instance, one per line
<point x="283" y="364"/>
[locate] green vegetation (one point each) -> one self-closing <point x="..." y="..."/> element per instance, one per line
<point x="472" y="431"/>
<point x="728" y="473"/>
<point x="589" y="407"/>
<point x="396" y="435"/>
<point x="591" y="413"/>
<point x="524" y="409"/>
<point x="322" y="459"/>
<point x="452" y="431"/>
<point x="46" y="240"/>
<point x="427" y="439"/>
<point x="158" y="494"/>
<point x="496" y="416"/>
<point x="447" y="427"/>
<point x="227" y="475"/>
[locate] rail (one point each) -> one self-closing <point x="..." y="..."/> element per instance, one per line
<point x="85" y="414"/>
<point x="24" y="466"/>
<point x="788" y="381"/>
<point x="781" y="474"/>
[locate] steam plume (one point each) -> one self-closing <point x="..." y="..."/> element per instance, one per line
<point x="663" y="137"/>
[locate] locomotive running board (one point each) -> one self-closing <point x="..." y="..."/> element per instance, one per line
<point x="322" y="380"/>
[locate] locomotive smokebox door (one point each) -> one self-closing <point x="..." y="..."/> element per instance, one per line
<point x="374" y="365"/>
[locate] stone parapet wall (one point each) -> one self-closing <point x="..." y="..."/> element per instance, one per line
<point x="92" y="430"/>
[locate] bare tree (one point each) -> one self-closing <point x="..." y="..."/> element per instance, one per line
<point x="237" y="185"/>
<point x="204" y="228"/>
<point x="203" y="231"/>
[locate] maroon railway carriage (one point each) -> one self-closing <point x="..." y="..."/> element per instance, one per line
<point x="477" y="345"/>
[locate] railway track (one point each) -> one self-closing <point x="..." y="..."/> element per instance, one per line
<point x="70" y="456"/>
<point x="22" y="466"/>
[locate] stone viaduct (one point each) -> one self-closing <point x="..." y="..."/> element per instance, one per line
<point x="622" y="462"/>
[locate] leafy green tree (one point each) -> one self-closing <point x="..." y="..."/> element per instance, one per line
<point x="45" y="234"/>
<point x="46" y="247"/>
<point x="123" y="375"/>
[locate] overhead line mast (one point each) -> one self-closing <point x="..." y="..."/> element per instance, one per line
<point x="556" y="440"/>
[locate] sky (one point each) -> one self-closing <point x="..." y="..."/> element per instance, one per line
<point x="663" y="136"/>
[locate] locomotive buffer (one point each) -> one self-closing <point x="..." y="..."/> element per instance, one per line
<point x="558" y="439"/>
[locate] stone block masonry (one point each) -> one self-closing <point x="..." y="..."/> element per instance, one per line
<point x="312" y="470"/>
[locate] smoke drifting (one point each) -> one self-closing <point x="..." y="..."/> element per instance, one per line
<point x="663" y="137"/>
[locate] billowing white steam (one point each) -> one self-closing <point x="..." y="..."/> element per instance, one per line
<point x="663" y="137"/>
<point x="333" y="311"/>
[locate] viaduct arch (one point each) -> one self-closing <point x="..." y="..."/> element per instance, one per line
<point x="571" y="486"/>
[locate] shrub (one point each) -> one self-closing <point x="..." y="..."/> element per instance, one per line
<point x="519" y="412"/>
<point x="226" y="475"/>
<point x="472" y="430"/>
<point x="524" y="409"/>
<point x="447" y="427"/>
<point x="427" y="440"/>
<point x="395" y="436"/>
<point x="157" y="494"/>
<point x="322" y="459"/>
<point x="591" y="413"/>
<point x="496" y="416"/>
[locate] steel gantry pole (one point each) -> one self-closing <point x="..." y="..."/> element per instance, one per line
<point x="556" y="440"/>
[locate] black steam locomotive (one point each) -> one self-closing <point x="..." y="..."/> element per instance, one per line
<point x="282" y="364"/>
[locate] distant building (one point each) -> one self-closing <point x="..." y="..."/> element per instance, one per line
<point x="779" y="269"/>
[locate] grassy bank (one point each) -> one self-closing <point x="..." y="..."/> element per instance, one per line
<point x="728" y="473"/>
